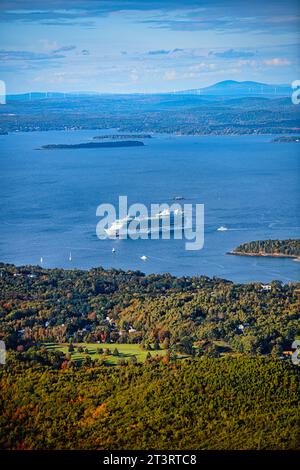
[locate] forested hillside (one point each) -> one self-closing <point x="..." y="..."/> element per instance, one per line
<point x="221" y="380"/>
<point x="233" y="403"/>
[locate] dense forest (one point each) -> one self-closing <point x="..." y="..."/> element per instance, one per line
<point x="219" y="381"/>
<point x="199" y="403"/>
<point x="289" y="247"/>
<point x="157" y="311"/>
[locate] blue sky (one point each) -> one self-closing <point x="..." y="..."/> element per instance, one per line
<point x="146" y="46"/>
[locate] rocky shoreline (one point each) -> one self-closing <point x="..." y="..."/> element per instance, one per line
<point x="265" y="255"/>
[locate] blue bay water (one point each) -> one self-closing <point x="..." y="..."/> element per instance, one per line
<point x="49" y="200"/>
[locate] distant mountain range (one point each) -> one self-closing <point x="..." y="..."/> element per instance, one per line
<point x="225" y="88"/>
<point x="247" y="88"/>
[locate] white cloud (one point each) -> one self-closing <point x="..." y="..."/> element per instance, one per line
<point x="251" y="63"/>
<point x="134" y="75"/>
<point x="203" y="66"/>
<point x="277" y="61"/>
<point x="170" y="75"/>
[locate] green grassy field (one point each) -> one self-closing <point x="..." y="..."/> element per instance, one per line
<point x="126" y="351"/>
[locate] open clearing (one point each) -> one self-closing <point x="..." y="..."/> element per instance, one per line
<point x="126" y="351"/>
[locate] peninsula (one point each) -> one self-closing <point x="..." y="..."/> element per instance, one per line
<point x="274" y="248"/>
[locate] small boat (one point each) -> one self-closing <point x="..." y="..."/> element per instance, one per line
<point x="113" y="250"/>
<point x="222" y="229"/>
<point x="178" y="198"/>
<point x="70" y="256"/>
<point x="144" y="258"/>
<point x="41" y="260"/>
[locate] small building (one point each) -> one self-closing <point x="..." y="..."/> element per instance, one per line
<point x="131" y="330"/>
<point x="266" y="287"/>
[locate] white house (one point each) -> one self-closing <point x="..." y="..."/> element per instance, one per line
<point x="266" y="287"/>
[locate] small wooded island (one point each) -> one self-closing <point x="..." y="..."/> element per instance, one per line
<point x="274" y="248"/>
<point x="92" y="145"/>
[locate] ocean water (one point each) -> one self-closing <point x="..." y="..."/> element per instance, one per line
<point x="49" y="200"/>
